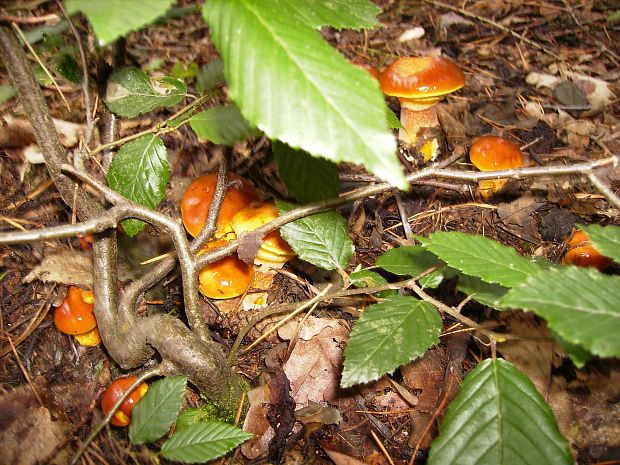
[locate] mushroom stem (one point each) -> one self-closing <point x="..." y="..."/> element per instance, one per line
<point x="414" y="119"/>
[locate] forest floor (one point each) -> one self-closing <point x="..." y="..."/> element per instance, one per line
<point x="514" y="55"/>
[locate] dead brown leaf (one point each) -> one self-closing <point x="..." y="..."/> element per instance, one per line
<point x="66" y="267"/>
<point x="313" y="368"/>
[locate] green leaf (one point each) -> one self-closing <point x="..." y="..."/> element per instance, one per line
<point x="578" y="355"/>
<point x="615" y="16"/>
<point x="581" y="305"/>
<point x="281" y="74"/>
<point x="392" y="120"/>
<point x="7" y="93"/>
<point x="153" y="416"/>
<point x="210" y="75"/>
<point x="486" y="293"/>
<point x="222" y="125"/>
<point x="321" y="239"/>
<point x="499" y="417"/>
<point x="605" y="239"/>
<point x="183" y="71"/>
<point x="340" y="14"/>
<point x="478" y="256"/>
<point x="388" y="335"/>
<point x="140" y="171"/>
<point x="132" y="92"/>
<point x="297" y="168"/>
<point x="368" y="278"/>
<point x="202" y="442"/>
<point x="68" y="68"/>
<point x="411" y="261"/>
<point x="115" y="18"/>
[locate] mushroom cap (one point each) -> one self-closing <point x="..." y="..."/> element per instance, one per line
<point x="273" y="248"/>
<point x="225" y="279"/>
<point x="75" y="314"/>
<point x="582" y="253"/>
<point x="122" y="417"/>
<point x="197" y="199"/>
<point x="491" y="153"/>
<point x="421" y="79"/>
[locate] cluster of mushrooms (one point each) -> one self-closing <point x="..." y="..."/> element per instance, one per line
<point x="241" y="212"/>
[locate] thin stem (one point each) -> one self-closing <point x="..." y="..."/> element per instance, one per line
<point x="221" y="187"/>
<point x="88" y="99"/>
<point x="604" y="189"/>
<point x="36" y="57"/>
<point x="160" y="128"/>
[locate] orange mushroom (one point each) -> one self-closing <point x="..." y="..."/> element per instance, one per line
<point x="226" y="278"/>
<point x="122" y="417"/>
<point x="273" y="249"/>
<point x="75" y="315"/>
<point x="581" y="252"/>
<point x="419" y="83"/>
<point x="492" y="153"/>
<point x="197" y="198"/>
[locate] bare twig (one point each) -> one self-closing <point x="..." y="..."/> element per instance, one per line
<point x="160" y="128"/>
<point x="604" y="189"/>
<point x="88" y="98"/>
<point x="177" y="233"/>
<point x="30" y="19"/>
<point x="36" y="57"/>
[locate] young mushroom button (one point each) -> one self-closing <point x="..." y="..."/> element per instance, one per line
<point x="493" y="153"/>
<point x="75" y="316"/>
<point x="122" y="417"/>
<point x="197" y="198"/>
<point x="419" y="83"/>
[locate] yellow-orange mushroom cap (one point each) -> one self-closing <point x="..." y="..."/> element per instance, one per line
<point x="75" y="314"/>
<point x="197" y="198"/>
<point x="421" y="80"/>
<point x="273" y="248"/>
<point x="491" y="153"/>
<point x="225" y="279"/>
<point x="582" y="253"/>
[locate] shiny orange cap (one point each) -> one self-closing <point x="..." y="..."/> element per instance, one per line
<point x="197" y="199"/>
<point x="122" y="417"/>
<point x="490" y="153"/>
<point x="227" y="278"/>
<point x="75" y="314"/>
<point x="421" y="78"/>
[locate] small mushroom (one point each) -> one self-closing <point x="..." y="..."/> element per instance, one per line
<point x="419" y="83"/>
<point x="492" y="153"/>
<point x="273" y="249"/>
<point x="581" y="252"/>
<point x="122" y="417"/>
<point x="226" y="278"/>
<point x="197" y="198"/>
<point x="75" y="316"/>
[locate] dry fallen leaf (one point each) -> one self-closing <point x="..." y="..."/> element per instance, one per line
<point x="313" y="367"/>
<point x="65" y="267"/>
